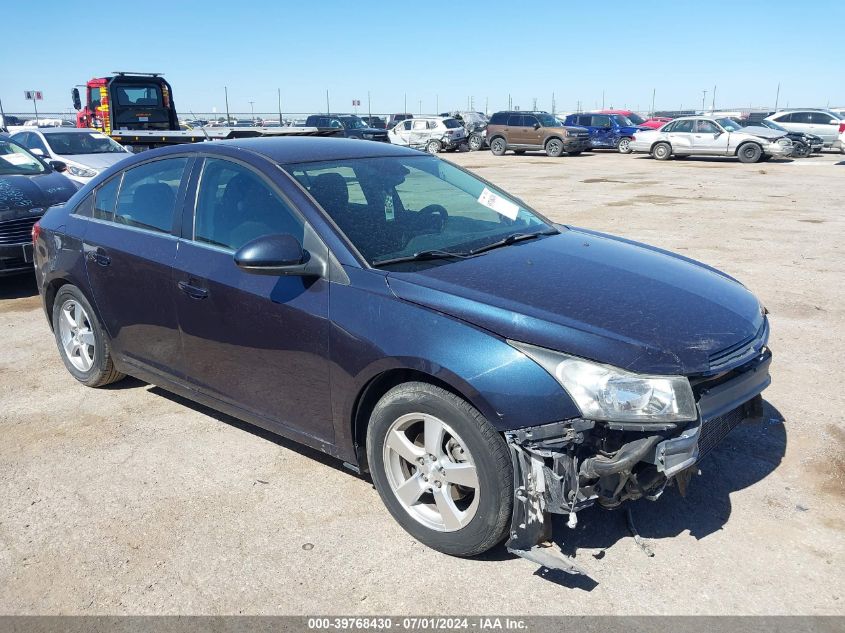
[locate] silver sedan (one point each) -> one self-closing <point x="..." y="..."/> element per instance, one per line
<point x="709" y="136"/>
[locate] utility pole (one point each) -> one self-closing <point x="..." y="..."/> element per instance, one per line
<point x="226" y="91"/>
<point x="369" y="105"/>
<point x="252" y="110"/>
<point x="602" y="99"/>
<point x="534" y="107"/>
<point x="510" y="102"/>
<point x="420" y="107"/>
<point x="653" y="94"/>
<point x="777" y="96"/>
<point x="437" y="103"/>
<point x="486" y="105"/>
<point x="703" y="97"/>
<point x="553" y="104"/>
<point x="713" y="105"/>
<point x="406" y="103"/>
<point x="328" y="107"/>
<point x="281" y="121"/>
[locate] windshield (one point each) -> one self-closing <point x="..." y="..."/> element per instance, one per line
<point x="771" y="125"/>
<point x="729" y="124"/>
<point x="635" y="118"/>
<point x="621" y="120"/>
<point x="393" y="207"/>
<point x="15" y="160"/>
<point x="139" y="95"/>
<point x="70" y="143"/>
<point x="353" y="122"/>
<point x="547" y="120"/>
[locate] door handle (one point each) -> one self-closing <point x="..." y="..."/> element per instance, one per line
<point x="192" y="291"/>
<point x="99" y="257"/>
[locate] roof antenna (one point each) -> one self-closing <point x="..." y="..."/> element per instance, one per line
<point x="202" y="127"/>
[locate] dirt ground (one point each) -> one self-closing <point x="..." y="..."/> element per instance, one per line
<point x="130" y="500"/>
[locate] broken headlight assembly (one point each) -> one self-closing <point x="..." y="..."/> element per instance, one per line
<point x="607" y="393"/>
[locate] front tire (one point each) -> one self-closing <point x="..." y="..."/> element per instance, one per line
<point x="662" y="151"/>
<point x="554" y="147"/>
<point x="749" y="153"/>
<point x="441" y="469"/>
<point x="82" y="342"/>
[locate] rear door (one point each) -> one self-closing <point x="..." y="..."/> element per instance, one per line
<point x="515" y="130"/>
<point x="129" y="251"/>
<point x="256" y="342"/>
<point x="681" y="136"/>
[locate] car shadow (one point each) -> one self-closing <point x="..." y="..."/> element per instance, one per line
<point x="18" y="286"/>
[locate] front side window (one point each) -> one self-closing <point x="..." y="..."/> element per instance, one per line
<point x="708" y="127"/>
<point x="547" y="120"/>
<point x="600" y="120"/>
<point x="821" y="118"/>
<point x="94" y="97"/>
<point x="235" y="205"/>
<point x="411" y="204"/>
<point x="148" y="195"/>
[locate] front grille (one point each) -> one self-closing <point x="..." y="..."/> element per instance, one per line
<point x="742" y="351"/>
<point x="713" y="431"/>
<point x="17" y="231"/>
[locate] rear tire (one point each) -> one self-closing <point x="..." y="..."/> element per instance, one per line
<point x="475" y="142"/>
<point x="554" y="147"/>
<point x="624" y="145"/>
<point x="421" y="441"/>
<point x="662" y="151"/>
<point x="82" y="342"/>
<point x="498" y="146"/>
<point x="433" y="147"/>
<point x="749" y="153"/>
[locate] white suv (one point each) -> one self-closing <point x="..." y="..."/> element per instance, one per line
<point x="823" y="123"/>
<point x="432" y="134"/>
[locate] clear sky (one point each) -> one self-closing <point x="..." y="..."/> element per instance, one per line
<point x="437" y="53"/>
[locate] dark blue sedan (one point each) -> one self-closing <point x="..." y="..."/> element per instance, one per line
<point x="607" y="131"/>
<point x="486" y="366"/>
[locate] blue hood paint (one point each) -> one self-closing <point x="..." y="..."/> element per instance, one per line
<point x="595" y="296"/>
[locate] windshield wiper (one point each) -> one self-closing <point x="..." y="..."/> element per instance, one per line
<point x="513" y="238"/>
<point x="420" y="256"/>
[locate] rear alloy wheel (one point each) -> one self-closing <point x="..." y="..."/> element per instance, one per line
<point x="476" y="142"/>
<point x="498" y="146"/>
<point x="750" y="153"/>
<point x="662" y="151"/>
<point x="441" y="469"/>
<point x="624" y="145"/>
<point x="554" y="147"/>
<point x="81" y="340"/>
<point x="433" y="146"/>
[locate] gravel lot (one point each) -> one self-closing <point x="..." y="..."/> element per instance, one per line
<point x="130" y="500"/>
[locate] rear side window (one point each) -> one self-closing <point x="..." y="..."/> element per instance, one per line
<point x="86" y="207"/>
<point x="452" y="123"/>
<point x="148" y="195"/>
<point x="500" y="118"/>
<point x="684" y="126"/>
<point x="515" y="120"/>
<point x="105" y="199"/>
<point x="235" y="205"/>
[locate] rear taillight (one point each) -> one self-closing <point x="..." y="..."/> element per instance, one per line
<point x="36" y="231"/>
<point x="842" y="127"/>
<point x="634" y="137"/>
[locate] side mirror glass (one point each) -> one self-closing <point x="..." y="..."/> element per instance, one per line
<point x="279" y="254"/>
<point x="58" y="165"/>
<point x="77" y="102"/>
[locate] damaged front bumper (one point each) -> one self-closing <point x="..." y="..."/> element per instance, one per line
<point x="564" y="467"/>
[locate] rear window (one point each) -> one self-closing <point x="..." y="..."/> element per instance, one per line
<point x="139" y="95"/>
<point x="452" y="123"/>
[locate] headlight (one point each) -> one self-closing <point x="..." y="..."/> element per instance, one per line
<point x="604" y="392"/>
<point x="81" y="172"/>
<point x="368" y="136"/>
<point x="565" y="133"/>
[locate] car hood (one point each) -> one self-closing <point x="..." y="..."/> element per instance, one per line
<point x="21" y="193"/>
<point x="100" y="162"/>
<point x="599" y="297"/>
<point x="763" y="132"/>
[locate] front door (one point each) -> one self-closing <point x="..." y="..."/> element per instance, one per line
<point x="709" y="138"/>
<point x="532" y="136"/>
<point x="258" y="342"/>
<point x="129" y="252"/>
<point x="601" y="130"/>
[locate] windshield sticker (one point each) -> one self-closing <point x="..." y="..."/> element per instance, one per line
<point x="498" y="204"/>
<point x="389" y="213"/>
<point x="17" y="159"/>
<point x="97" y="135"/>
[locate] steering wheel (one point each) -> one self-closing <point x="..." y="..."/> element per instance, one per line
<point x="438" y="214"/>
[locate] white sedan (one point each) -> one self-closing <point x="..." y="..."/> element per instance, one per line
<point x="85" y="152"/>
<point x="709" y="136"/>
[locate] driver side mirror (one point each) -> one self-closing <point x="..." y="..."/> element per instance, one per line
<point x="58" y="165"/>
<point x="279" y="254"/>
<point x="77" y="102"/>
<point x="536" y="126"/>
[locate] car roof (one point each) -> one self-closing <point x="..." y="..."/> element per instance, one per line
<point x="66" y="130"/>
<point x="303" y="149"/>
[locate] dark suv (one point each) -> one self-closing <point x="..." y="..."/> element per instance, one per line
<point x="522" y="131"/>
<point x="607" y="131"/>
<point x="352" y="126"/>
